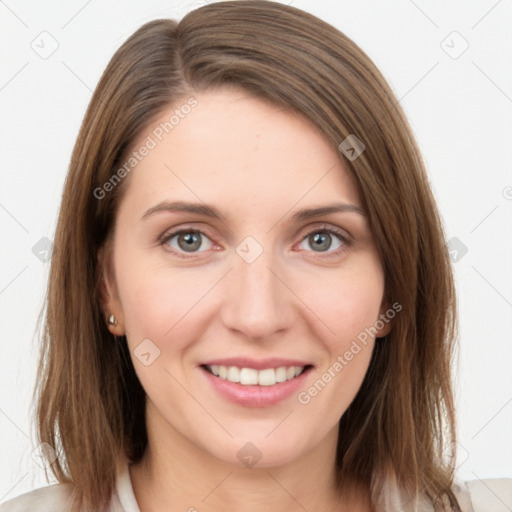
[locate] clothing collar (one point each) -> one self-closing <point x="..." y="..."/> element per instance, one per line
<point x="124" y="488"/>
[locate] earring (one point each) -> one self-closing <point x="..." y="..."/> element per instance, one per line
<point x="112" y="320"/>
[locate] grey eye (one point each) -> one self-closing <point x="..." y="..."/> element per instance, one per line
<point x="322" y="240"/>
<point x="188" y="241"/>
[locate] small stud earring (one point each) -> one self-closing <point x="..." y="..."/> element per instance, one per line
<point x="112" y="320"/>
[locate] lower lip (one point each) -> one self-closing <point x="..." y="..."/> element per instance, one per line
<point x="256" y="396"/>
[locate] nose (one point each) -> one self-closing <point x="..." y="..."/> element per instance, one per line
<point x="257" y="302"/>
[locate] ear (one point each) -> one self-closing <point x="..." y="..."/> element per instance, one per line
<point x="108" y="295"/>
<point x="386" y="315"/>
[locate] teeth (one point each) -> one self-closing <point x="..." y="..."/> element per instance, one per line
<point x="280" y="374"/>
<point x="248" y="376"/>
<point x="267" y="377"/>
<point x="251" y="377"/>
<point x="233" y="374"/>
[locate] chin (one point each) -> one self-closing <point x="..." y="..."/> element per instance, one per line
<point x="257" y="451"/>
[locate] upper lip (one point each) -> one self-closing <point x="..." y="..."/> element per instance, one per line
<point x="256" y="364"/>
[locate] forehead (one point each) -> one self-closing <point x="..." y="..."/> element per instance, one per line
<point x="232" y="148"/>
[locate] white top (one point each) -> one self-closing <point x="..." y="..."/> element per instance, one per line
<point x="489" y="495"/>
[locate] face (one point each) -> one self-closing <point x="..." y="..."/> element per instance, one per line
<point x="241" y="253"/>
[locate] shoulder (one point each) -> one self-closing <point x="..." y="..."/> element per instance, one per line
<point x="53" y="498"/>
<point x="58" y="497"/>
<point x="484" y="495"/>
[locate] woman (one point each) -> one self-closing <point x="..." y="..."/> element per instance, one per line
<point x="250" y="302"/>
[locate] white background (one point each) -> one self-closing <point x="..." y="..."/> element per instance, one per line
<point x="460" y="110"/>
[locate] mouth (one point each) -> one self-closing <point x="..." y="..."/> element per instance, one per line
<point x="252" y="377"/>
<point x="252" y="383"/>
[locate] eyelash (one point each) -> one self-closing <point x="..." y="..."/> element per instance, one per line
<point x="322" y="229"/>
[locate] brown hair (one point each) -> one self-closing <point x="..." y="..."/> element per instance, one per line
<point x="90" y="402"/>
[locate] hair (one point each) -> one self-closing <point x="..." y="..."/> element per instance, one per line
<point x="90" y="403"/>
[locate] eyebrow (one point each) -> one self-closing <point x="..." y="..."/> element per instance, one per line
<point x="180" y="206"/>
<point x="205" y="210"/>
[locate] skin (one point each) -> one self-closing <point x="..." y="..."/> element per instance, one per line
<point x="257" y="164"/>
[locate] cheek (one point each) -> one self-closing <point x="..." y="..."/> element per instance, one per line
<point x="351" y="309"/>
<point x="162" y="304"/>
<point x="346" y="303"/>
<point x="348" y="307"/>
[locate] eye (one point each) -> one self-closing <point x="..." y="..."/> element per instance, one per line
<point x="187" y="240"/>
<point x="325" y="239"/>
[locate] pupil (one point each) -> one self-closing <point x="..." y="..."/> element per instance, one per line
<point x="321" y="241"/>
<point x="189" y="242"/>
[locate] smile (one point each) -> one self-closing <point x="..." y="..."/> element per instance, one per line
<point x="252" y="377"/>
<point x="251" y="382"/>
